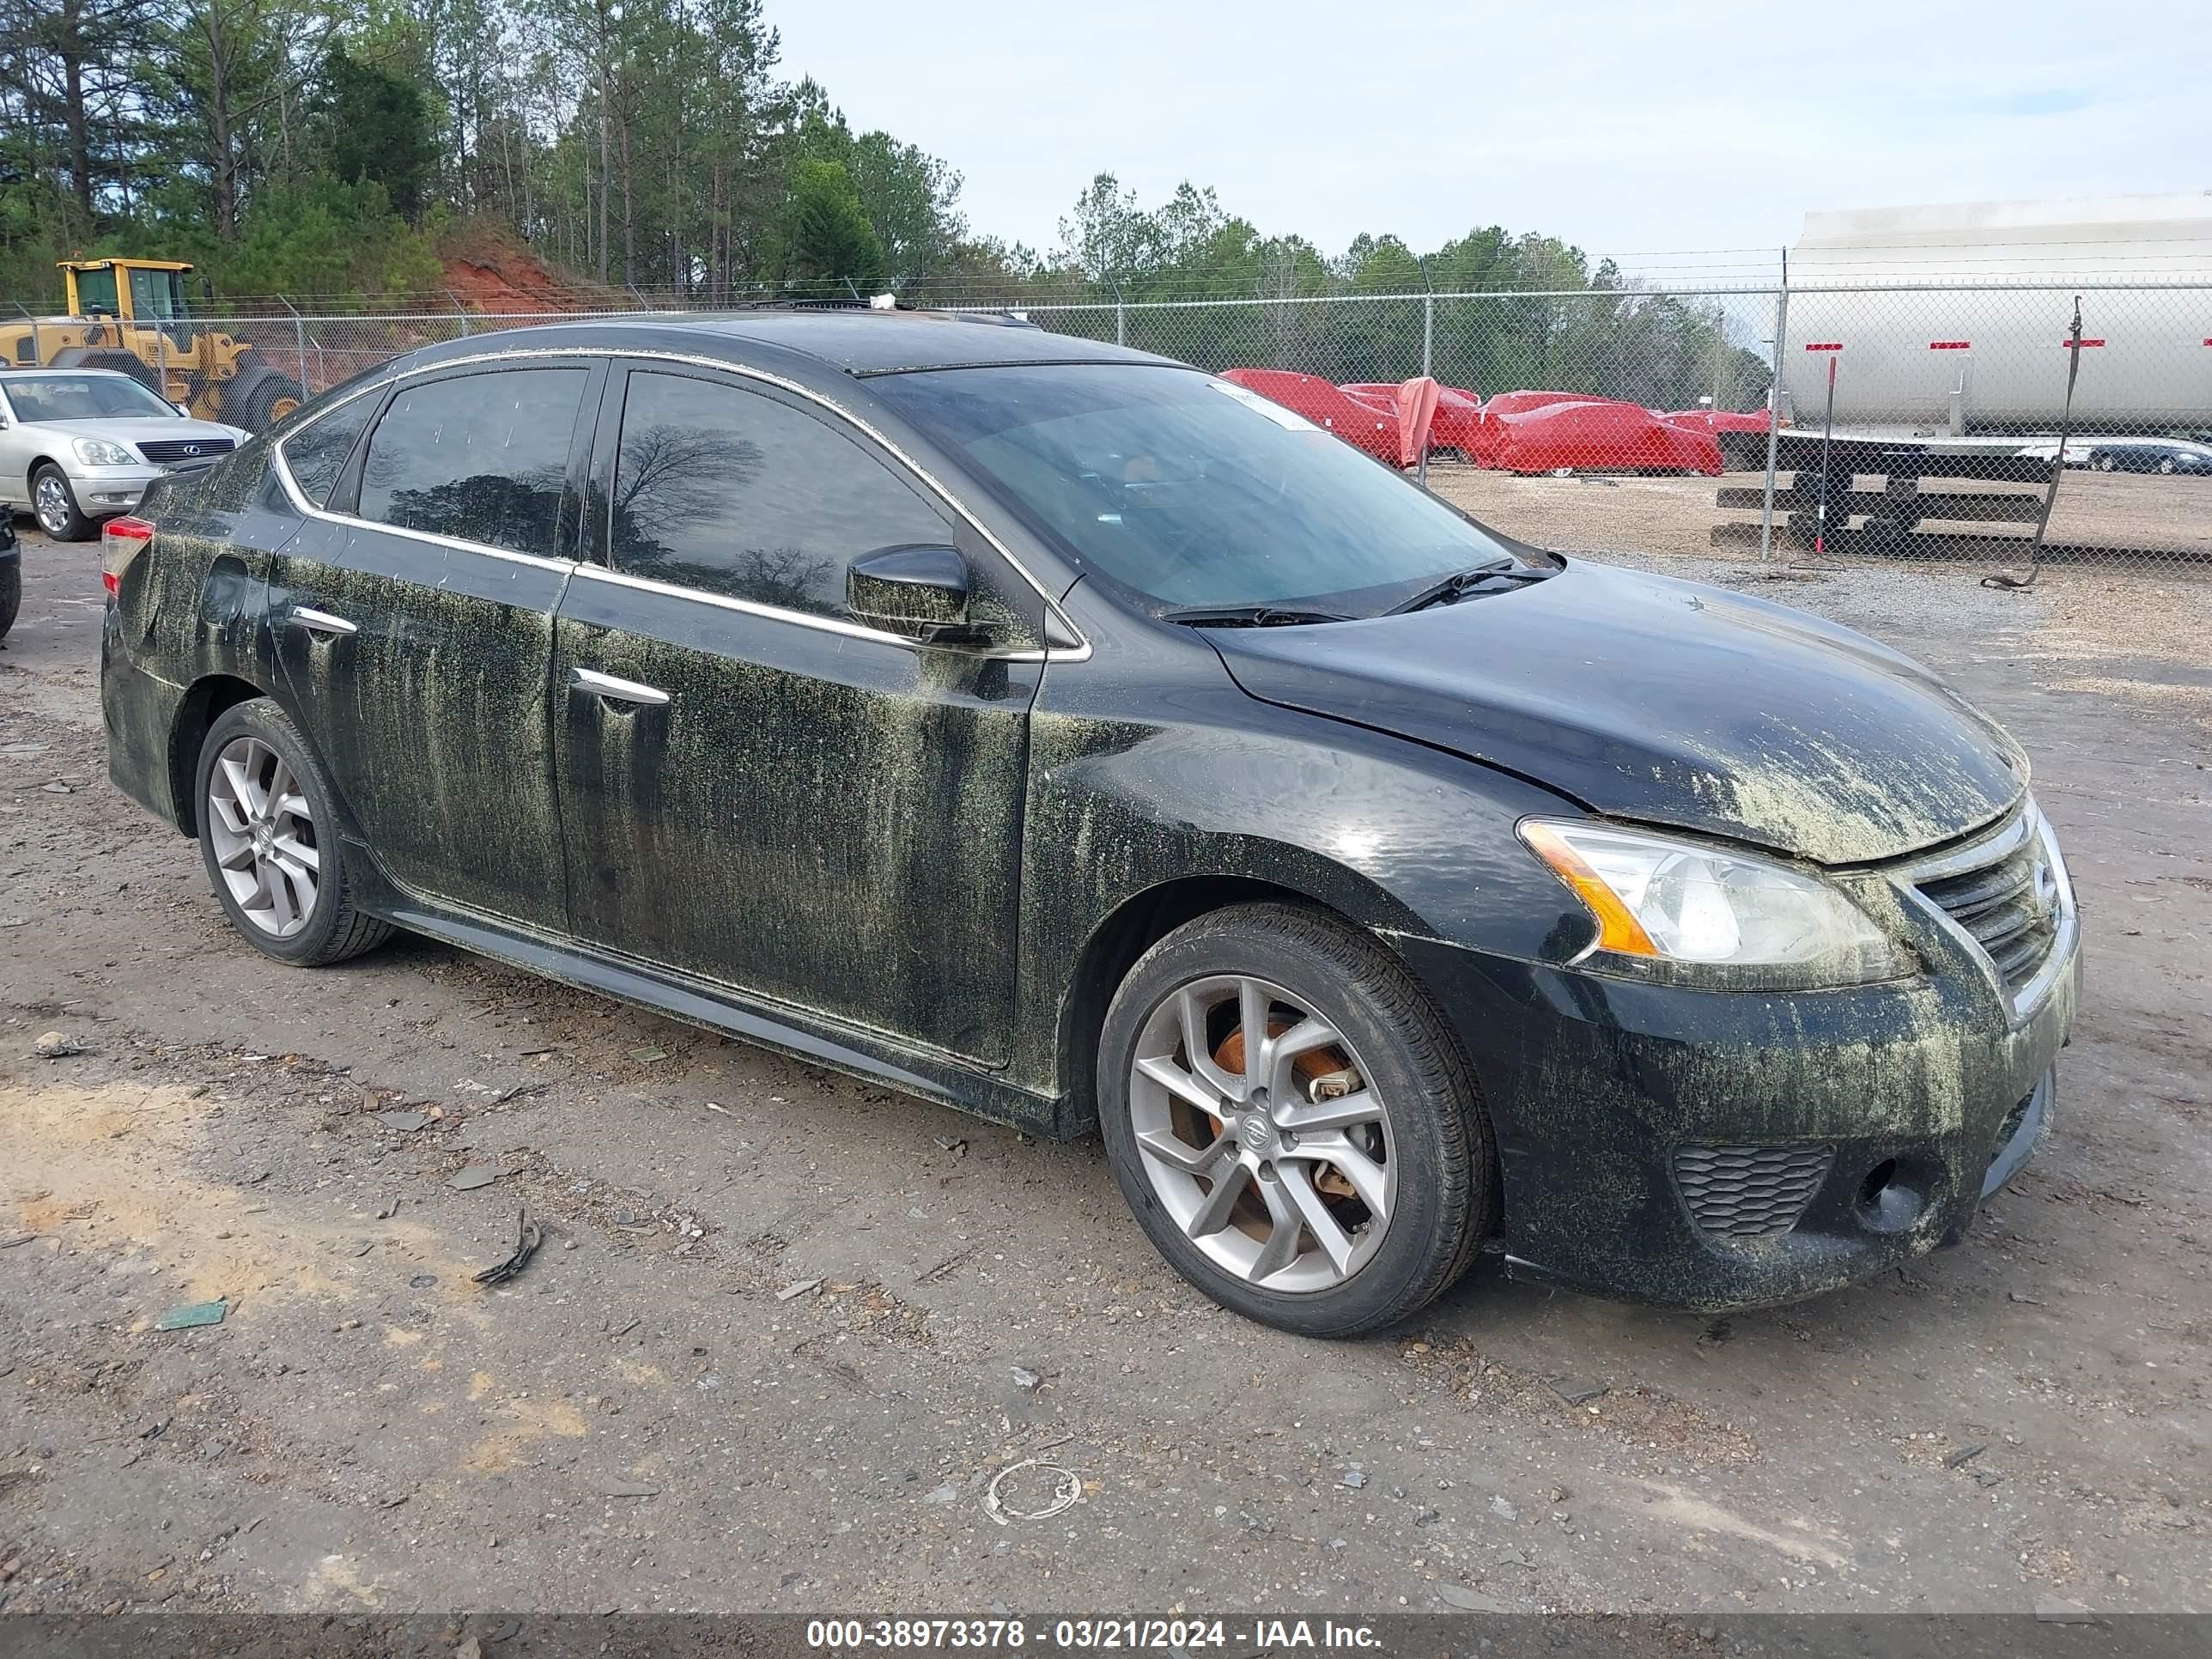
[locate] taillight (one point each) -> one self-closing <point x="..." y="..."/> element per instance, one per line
<point x="121" y="540"/>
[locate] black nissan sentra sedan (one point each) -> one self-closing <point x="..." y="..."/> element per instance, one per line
<point x="1064" y="734"/>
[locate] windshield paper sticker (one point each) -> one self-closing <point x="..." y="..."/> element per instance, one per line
<point x="1274" y="411"/>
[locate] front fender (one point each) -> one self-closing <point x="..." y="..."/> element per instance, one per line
<point x="1405" y="841"/>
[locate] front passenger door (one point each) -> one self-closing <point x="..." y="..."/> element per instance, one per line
<point x="413" y="621"/>
<point x="755" y="788"/>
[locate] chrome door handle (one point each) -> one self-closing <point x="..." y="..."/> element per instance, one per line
<point x="321" y="621"/>
<point x="615" y="690"/>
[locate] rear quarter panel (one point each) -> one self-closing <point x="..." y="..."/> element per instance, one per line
<point x="191" y="608"/>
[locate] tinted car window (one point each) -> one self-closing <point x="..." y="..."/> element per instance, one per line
<point x="481" y="458"/>
<point x="317" y="454"/>
<point x="1190" y="491"/>
<point x="731" y="493"/>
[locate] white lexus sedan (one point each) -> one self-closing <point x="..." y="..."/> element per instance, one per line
<point x="81" y="445"/>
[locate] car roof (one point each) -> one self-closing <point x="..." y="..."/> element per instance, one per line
<point x="815" y="345"/>
<point x="25" y="372"/>
<point x="888" y="342"/>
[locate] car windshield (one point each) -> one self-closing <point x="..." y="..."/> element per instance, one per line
<point x="1189" y="491"/>
<point x="82" y="397"/>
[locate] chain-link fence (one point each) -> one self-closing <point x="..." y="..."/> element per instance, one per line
<point x="1914" y="420"/>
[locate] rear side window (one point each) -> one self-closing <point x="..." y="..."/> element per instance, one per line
<point x="734" y="493"/>
<point x="316" y="455"/>
<point x="482" y="458"/>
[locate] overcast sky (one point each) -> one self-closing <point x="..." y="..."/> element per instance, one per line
<point x="1626" y="128"/>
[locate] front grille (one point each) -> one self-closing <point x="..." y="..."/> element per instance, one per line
<point x="1749" y="1192"/>
<point x="2010" y="906"/>
<point x="185" y="451"/>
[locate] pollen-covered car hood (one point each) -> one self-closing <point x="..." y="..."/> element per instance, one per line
<point x="1666" y="701"/>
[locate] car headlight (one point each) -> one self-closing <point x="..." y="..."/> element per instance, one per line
<point x="1676" y="909"/>
<point x="98" y="452"/>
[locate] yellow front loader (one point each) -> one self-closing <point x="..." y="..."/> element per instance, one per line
<point x="130" y="315"/>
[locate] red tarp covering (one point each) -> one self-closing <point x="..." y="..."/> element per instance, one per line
<point x="1371" y="428"/>
<point x="1459" y="423"/>
<point x="1519" y="431"/>
<point x="1612" y="436"/>
<point x="1520" y="403"/>
<point x="1417" y="411"/>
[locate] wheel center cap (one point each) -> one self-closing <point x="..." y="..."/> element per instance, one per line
<point x="265" y="840"/>
<point x="1257" y="1134"/>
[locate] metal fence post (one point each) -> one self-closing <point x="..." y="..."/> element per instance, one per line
<point x="1121" y="319"/>
<point x="1774" y="410"/>
<point x="1428" y="331"/>
<point x="461" y="310"/>
<point x="300" y="336"/>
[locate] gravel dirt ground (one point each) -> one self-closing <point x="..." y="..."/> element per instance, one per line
<point x="788" y="1337"/>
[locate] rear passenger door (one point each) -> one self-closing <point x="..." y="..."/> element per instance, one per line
<point x="757" y="789"/>
<point x="414" y="617"/>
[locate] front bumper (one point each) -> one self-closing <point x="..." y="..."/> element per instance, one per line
<point x="1715" y="1150"/>
<point x="103" y="491"/>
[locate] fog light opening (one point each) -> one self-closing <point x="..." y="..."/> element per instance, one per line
<point x="1876" y="1182"/>
<point x="1892" y="1198"/>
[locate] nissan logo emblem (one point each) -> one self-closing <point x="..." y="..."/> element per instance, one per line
<point x="2047" y="888"/>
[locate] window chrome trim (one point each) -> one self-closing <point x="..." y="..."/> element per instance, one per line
<point x="599" y="573"/>
<point x="1080" y="653"/>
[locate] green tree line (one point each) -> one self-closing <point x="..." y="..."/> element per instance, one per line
<point x="325" y="151"/>
<point x="332" y="152"/>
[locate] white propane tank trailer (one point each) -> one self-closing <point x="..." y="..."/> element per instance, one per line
<point x="1949" y="328"/>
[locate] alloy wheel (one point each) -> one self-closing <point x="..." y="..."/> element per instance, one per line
<point x="1272" y="1156"/>
<point x="52" y="505"/>
<point x="262" y="833"/>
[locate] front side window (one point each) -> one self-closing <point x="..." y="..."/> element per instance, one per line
<point x="318" y="453"/>
<point x="84" y="397"/>
<point x="731" y="493"/>
<point x="481" y="458"/>
<point x="96" y="292"/>
<point x="1186" y="490"/>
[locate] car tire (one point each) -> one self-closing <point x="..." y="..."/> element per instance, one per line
<point x="281" y="872"/>
<point x="1425" y="1156"/>
<point x="53" y="504"/>
<point x="2165" y="465"/>
<point x="11" y="590"/>
<point x="2106" y="464"/>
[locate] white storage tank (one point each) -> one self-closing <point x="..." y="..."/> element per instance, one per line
<point x="1972" y="337"/>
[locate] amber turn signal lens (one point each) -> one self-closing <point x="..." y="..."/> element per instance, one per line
<point x="1617" y="929"/>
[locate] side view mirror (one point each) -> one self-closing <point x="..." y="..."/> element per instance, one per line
<point x="181" y="408"/>
<point x="919" y="591"/>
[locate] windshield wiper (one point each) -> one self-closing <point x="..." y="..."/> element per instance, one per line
<point x="1478" y="578"/>
<point x="1247" y="616"/>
